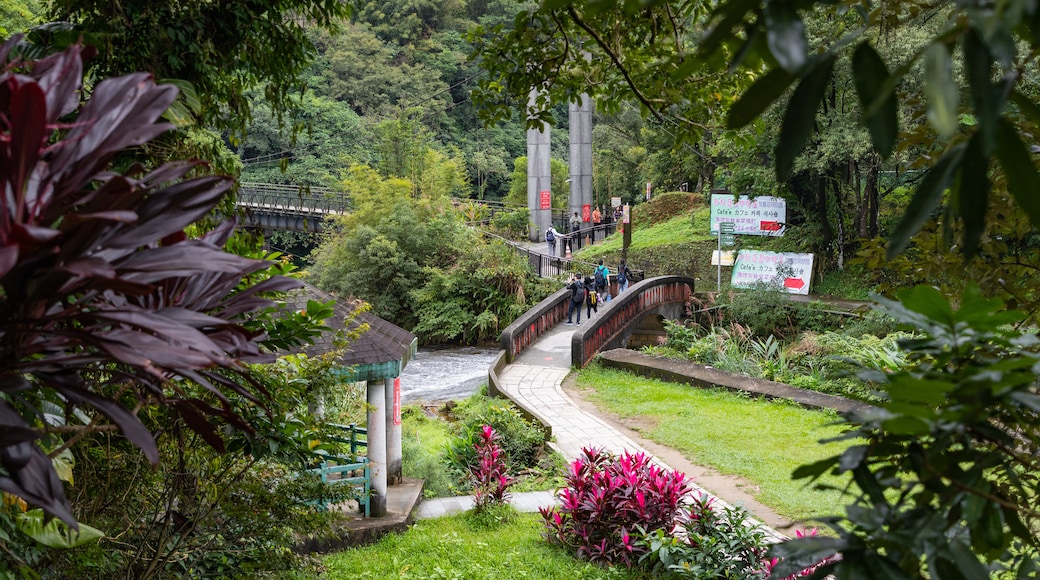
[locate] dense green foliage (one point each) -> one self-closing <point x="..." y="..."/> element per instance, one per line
<point x="411" y="256"/>
<point x="946" y="474"/>
<point x="260" y="45"/>
<point x="441" y="451"/>
<point x="523" y="441"/>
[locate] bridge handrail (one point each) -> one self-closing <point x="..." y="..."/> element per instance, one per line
<point x="623" y="310"/>
<point x="532" y="324"/>
<point x="560" y="264"/>
<point x="298" y="189"/>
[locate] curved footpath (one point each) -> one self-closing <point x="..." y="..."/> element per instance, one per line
<point x="534" y="382"/>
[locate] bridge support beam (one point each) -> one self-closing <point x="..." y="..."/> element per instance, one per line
<point x="539" y="177"/>
<point x="580" y="132"/>
<point x="376" y="395"/>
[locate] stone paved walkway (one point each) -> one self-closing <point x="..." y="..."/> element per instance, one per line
<point x="528" y="501"/>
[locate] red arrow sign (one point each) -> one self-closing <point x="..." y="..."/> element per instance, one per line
<point x="769" y="226"/>
<point x="795" y="283"/>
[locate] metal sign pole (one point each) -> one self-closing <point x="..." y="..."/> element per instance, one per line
<point x="719" y="281"/>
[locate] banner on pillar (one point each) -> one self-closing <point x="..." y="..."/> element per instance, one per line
<point x="586" y="213"/>
<point x="397" y="400"/>
<point x="545" y="199"/>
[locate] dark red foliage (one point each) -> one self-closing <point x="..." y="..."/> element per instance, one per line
<point x="95" y="311"/>
<point x="488" y="474"/>
<point x="606" y="498"/>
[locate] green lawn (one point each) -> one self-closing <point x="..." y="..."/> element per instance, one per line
<point x="759" y="440"/>
<point x="463" y="547"/>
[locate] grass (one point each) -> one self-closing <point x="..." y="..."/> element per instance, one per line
<point x="679" y="228"/>
<point x="467" y="546"/>
<point x="762" y="441"/>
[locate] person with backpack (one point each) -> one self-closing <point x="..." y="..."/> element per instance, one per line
<point x="602" y="276"/>
<point x="623" y="276"/>
<point x="550" y="238"/>
<point x="591" y="298"/>
<point x="577" y="288"/>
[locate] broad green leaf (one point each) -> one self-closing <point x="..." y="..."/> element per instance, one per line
<point x="798" y="554"/>
<point x="55" y="534"/>
<point x="1022" y="179"/>
<point x="926" y="198"/>
<point x="904" y="425"/>
<point x="63" y="464"/>
<point x="1026" y="104"/>
<point x="800" y="116"/>
<point x="973" y="192"/>
<point x="765" y="90"/>
<point x="852" y="457"/>
<point x="732" y="14"/>
<point x="941" y="89"/>
<point x="814" y="470"/>
<point x="879" y="105"/>
<point x="928" y="301"/>
<point x="978" y="64"/>
<point x="785" y="35"/>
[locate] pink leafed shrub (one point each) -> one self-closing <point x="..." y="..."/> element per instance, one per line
<point x="609" y="502"/>
<point x="488" y="474"/>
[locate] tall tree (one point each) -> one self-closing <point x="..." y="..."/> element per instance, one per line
<point x="222" y="49"/>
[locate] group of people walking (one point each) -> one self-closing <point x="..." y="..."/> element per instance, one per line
<point x="593" y="290"/>
<point x="574" y="230"/>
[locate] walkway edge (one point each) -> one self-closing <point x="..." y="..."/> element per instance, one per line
<point x="707" y="377"/>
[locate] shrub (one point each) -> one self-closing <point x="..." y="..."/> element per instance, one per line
<point x="763" y="312"/>
<point x="713" y="542"/>
<point x="609" y="502"/>
<point x="521" y="439"/>
<point x="488" y="474"/>
<point x="512" y="224"/>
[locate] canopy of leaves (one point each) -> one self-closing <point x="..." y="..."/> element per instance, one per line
<point x="223" y="49"/>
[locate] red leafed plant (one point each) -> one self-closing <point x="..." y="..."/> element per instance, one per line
<point x="606" y="498"/>
<point x="105" y="306"/>
<point x="488" y="474"/>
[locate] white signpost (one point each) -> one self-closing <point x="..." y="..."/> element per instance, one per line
<point x="761" y="216"/>
<point x="755" y="266"/>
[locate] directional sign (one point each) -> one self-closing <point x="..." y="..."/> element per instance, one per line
<point x="761" y="216"/>
<point x="754" y="267"/>
<point x="726" y="237"/>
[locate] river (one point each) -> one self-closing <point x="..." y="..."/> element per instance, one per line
<point x="443" y="374"/>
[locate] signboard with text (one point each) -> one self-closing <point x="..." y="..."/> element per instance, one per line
<point x="615" y="201"/>
<point x="586" y="213"/>
<point x="762" y="216"/>
<point x="545" y="198"/>
<point x="755" y="267"/>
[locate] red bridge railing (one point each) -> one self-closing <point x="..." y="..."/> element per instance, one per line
<point x="625" y="310"/>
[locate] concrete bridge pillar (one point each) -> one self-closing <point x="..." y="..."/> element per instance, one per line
<point x="539" y="178"/>
<point x="580" y="130"/>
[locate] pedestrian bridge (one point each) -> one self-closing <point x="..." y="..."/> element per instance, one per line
<point x="632" y="318"/>
<point x="538" y="350"/>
